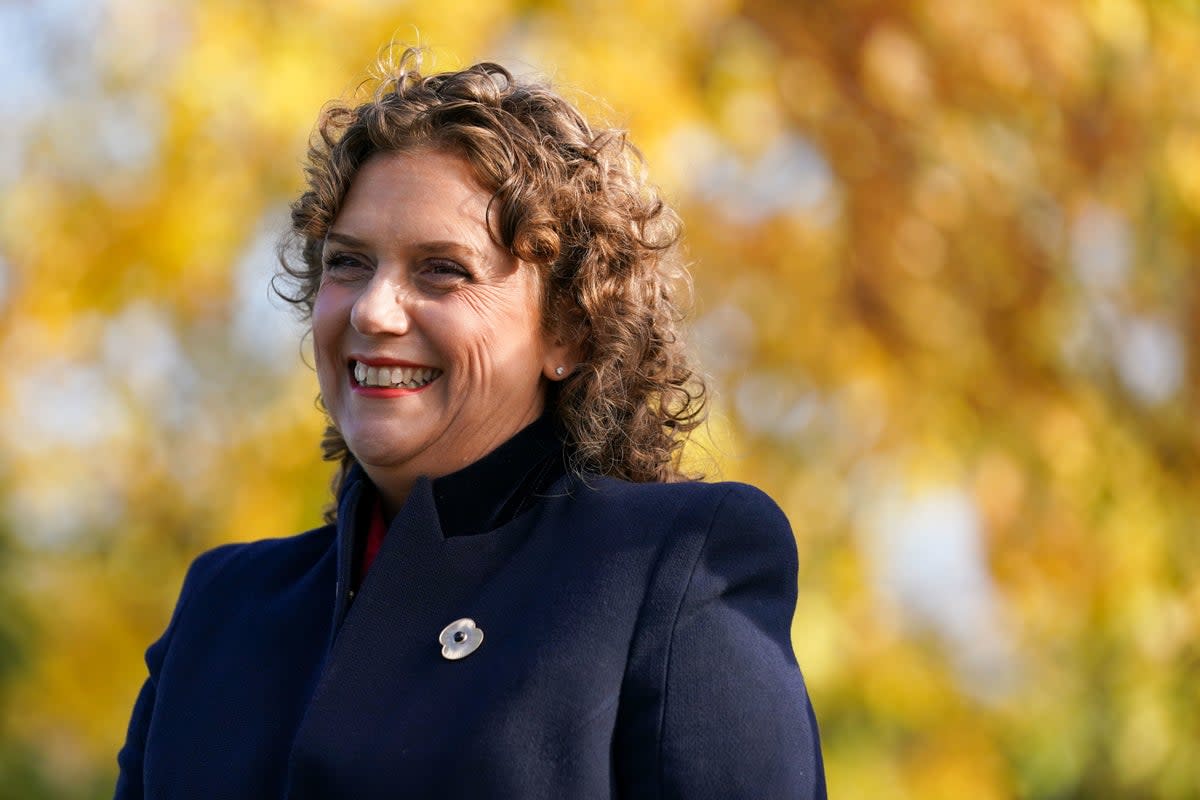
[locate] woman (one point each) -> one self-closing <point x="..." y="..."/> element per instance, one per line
<point x="517" y="594"/>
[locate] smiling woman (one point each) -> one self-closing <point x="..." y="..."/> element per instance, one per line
<point x="412" y="278"/>
<point x="517" y="594"/>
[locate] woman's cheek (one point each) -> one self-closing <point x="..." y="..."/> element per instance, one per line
<point x="325" y="329"/>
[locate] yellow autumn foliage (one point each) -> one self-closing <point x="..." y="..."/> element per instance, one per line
<point x="946" y="288"/>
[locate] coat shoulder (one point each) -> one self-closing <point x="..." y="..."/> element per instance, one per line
<point x="726" y="519"/>
<point x="722" y="503"/>
<point x="264" y="561"/>
<point x="655" y="492"/>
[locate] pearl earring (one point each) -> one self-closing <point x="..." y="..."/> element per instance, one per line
<point x="559" y="371"/>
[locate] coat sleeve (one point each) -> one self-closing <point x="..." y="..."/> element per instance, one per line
<point x="735" y="718"/>
<point x="131" y="758"/>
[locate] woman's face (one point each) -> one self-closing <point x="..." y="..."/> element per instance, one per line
<point x="428" y="337"/>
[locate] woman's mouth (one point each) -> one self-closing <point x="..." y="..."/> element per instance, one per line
<point x="393" y="377"/>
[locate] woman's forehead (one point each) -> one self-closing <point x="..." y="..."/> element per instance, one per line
<point x="428" y="192"/>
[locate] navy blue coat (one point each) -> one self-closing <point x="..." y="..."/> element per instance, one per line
<point x="636" y="645"/>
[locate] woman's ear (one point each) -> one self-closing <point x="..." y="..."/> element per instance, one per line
<point x="565" y="352"/>
<point x="562" y="357"/>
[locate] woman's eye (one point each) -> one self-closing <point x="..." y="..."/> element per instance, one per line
<point x="445" y="271"/>
<point x="342" y="265"/>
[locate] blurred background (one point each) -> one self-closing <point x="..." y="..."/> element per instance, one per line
<point x="946" y="288"/>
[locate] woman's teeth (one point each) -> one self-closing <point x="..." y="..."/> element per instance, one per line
<point x="394" y="377"/>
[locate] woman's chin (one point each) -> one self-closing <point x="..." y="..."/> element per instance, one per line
<point x="382" y="453"/>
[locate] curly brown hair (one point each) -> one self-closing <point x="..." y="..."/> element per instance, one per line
<point x="570" y="200"/>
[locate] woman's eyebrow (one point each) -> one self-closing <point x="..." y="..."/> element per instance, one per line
<point x="420" y="248"/>
<point x="446" y="246"/>
<point x="344" y="238"/>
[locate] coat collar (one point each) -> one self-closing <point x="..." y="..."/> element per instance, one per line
<point x="476" y="500"/>
<point x="480" y="497"/>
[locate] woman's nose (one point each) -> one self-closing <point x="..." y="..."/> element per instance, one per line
<point x="381" y="308"/>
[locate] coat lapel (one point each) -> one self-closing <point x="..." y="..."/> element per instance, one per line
<point x="388" y="644"/>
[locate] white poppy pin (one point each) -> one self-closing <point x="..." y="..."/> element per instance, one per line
<point x="460" y="638"/>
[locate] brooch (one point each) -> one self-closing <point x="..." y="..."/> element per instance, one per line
<point x="460" y="638"/>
